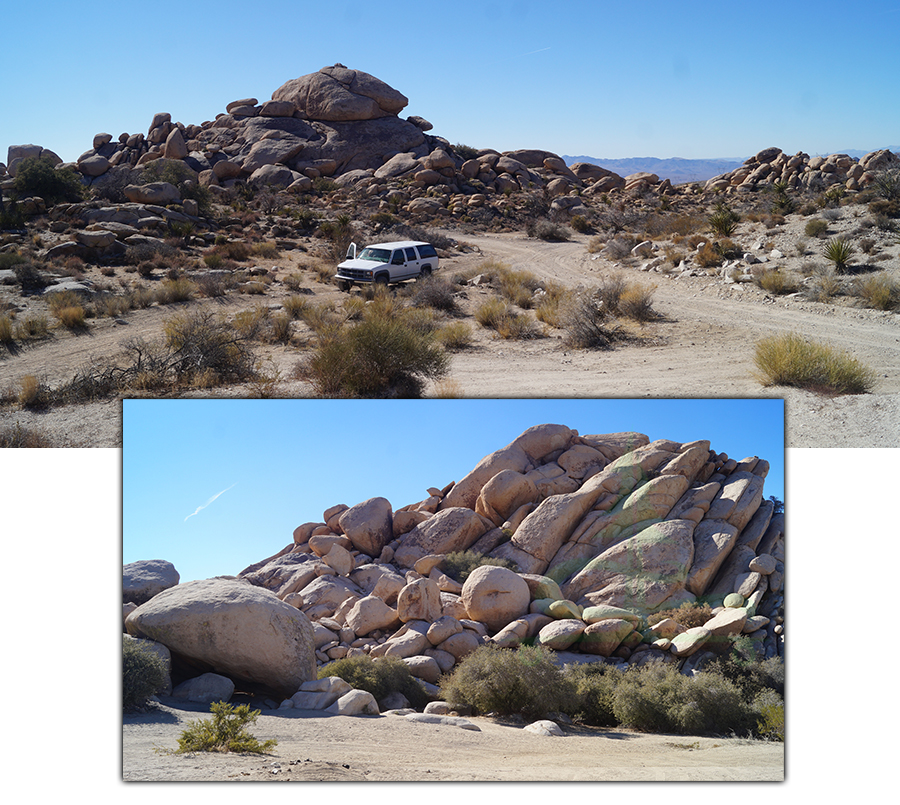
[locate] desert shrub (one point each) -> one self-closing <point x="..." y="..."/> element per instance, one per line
<point x="595" y="686"/>
<point x="658" y="698"/>
<point x="789" y="360"/>
<point x="459" y="564"/>
<point x="11" y="215"/>
<point x="6" y="329"/>
<point x="265" y="250"/>
<point x="455" y="336"/>
<point x="769" y="707"/>
<point x="588" y="323"/>
<point x="466" y="152"/>
<point x="216" y="255"/>
<point x="879" y="291"/>
<point x="839" y="252"/>
<point x="210" y="285"/>
<point x="10" y="259"/>
<point x="34" y="325"/>
<point x="340" y="232"/>
<point x="434" y="292"/>
<point x="636" y="302"/>
<point x="33" y="393"/>
<point x="723" y="220"/>
<point x="497" y="315"/>
<point x="824" y="286"/>
<point x="546" y="230"/>
<point x="689" y="615"/>
<point x="751" y="674"/>
<point x="776" y="282"/>
<point x="22" y="437"/>
<point x="200" y="342"/>
<point x="815" y="228"/>
<point x="294" y="305"/>
<point x="172" y="291"/>
<point x="29" y="277"/>
<point x="580" y="224"/>
<point x="144" y="673"/>
<point x="280" y="328"/>
<point x="38" y="177"/>
<point x="224" y="732"/>
<point x="518" y="286"/>
<point x="381" y="356"/>
<point x="507" y="682"/>
<point x="380" y="677"/>
<point x="72" y="317"/>
<point x="708" y="256"/>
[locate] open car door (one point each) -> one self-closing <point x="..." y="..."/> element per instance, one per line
<point x="351" y="251"/>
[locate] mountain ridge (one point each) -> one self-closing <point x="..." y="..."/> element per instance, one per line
<point x="680" y="170"/>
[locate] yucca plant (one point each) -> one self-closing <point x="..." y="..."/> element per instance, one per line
<point x="839" y="251"/>
<point x="723" y="220"/>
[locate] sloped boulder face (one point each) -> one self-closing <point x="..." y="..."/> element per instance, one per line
<point x="339" y="94"/>
<point x="504" y="494"/>
<point x="639" y="573"/>
<point x="143" y="579"/>
<point x="450" y="530"/>
<point x="232" y="628"/>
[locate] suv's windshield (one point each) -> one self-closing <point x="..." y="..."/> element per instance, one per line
<point x="376" y="255"/>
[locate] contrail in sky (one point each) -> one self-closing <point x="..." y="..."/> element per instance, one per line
<point x="200" y="508"/>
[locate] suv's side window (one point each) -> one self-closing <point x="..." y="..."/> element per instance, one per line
<point x="427" y="250"/>
<point x="397" y="259"/>
<point x="411" y="254"/>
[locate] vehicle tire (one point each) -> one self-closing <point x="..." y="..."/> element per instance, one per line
<point x="345" y="286"/>
<point x="382" y="279"/>
<point x="425" y="273"/>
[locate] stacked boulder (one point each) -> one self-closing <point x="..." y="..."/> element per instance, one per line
<point x="802" y="172"/>
<point x="603" y="530"/>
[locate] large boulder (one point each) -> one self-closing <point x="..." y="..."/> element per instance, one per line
<point x="368" y="525"/>
<point x="504" y="494"/>
<point x="639" y="573"/>
<point x="495" y="596"/>
<point x="454" y="529"/>
<point x="148" y="577"/>
<point x="161" y="193"/>
<point x="230" y="627"/>
<point x="340" y="94"/>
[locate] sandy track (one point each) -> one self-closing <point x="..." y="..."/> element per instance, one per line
<point x="388" y="748"/>
<point x="702" y="347"/>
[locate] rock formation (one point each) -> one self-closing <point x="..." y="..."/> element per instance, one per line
<point x="604" y="530"/>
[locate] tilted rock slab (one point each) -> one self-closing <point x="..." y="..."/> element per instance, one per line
<point x="148" y="577"/>
<point x="234" y="629"/>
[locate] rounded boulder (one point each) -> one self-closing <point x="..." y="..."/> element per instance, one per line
<point x="230" y="627"/>
<point x="495" y="596"/>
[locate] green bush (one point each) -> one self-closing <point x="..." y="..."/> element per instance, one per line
<point x="816" y="227"/>
<point x="658" y="698"/>
<point x="770" y="711"/>
<point x="580" y="224"/>
<point x="38" y="177"/>
<point x="383" y="355"/>
<point x="224" y="732"/>
<point x="789" y="360"/>
<point x="380" y="677"/>
<point x="507" y="682"/>
<point x="595" y="687"/>
<point x="459" y="564"/>
<point x="144" y="673"/>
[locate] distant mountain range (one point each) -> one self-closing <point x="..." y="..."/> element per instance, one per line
<point x="679" y="171"/>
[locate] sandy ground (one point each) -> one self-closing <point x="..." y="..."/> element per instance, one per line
<point x="701" y="347"/>
<point x="314" y="747"/>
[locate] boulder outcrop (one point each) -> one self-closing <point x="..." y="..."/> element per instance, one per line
<point x="643" y="528"/>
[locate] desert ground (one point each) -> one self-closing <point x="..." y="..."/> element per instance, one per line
<point x="702" y="344"/>
<point x="314" y="747"/>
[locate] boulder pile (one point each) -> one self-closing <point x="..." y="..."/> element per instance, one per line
<point x="589" y="536"/>
<point x="803" y="172"/>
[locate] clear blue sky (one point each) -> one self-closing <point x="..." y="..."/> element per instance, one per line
<point x="605" y="79"/>
<point x="260" y="468"/>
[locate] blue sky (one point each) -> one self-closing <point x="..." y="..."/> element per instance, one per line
<point x="215" y="485"/>
<point x="605" y="79"/>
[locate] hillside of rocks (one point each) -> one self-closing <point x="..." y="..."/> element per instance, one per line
<point x="597" y="533"/>
<point x="344" y="125"/>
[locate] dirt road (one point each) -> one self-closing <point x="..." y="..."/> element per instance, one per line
<point x="702" y="347"/>
<point x="389" y="748"/>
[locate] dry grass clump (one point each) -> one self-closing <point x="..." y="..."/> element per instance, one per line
<point x="434" y="292"/>
<point x="777" y="282"/>
<point x="68" y="310"/>
<point x="18" y="436"/>
<point x="789" y="360"/>
<point x="172" y="291"/>
<point x="33" y="393"/>
<point x="6" y="329"/>
<point x="879" y="291"/>
<point x="498" y="315"/>
<point x="455" y="336"/>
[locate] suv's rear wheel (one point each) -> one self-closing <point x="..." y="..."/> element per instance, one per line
<point x="426" y="272"/>
<point x="382" y="279"/>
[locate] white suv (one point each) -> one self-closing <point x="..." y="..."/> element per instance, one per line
<point x="386" y="263"/>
